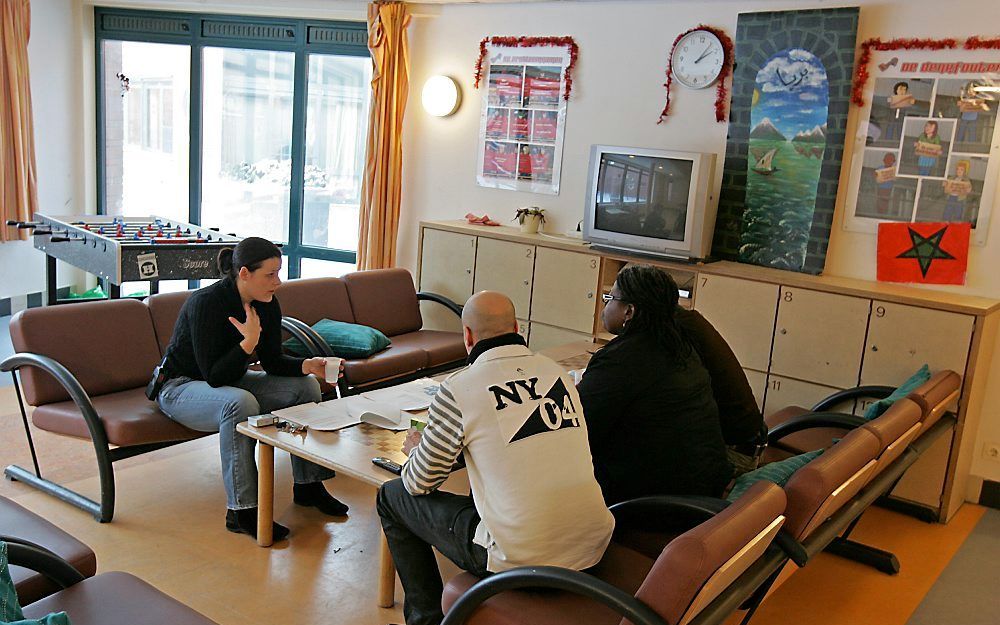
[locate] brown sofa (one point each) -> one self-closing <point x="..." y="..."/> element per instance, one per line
<point x="84" y="366"/>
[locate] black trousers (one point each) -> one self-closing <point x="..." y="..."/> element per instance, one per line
<point x="413" y="525"/>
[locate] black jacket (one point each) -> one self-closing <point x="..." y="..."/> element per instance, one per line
<point x="653" y="424"/>
<point x="206" y="345"/>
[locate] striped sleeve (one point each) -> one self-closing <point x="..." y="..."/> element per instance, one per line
<point x="431" y="461"/>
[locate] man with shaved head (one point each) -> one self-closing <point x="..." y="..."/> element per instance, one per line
<point x="516" y="419"/>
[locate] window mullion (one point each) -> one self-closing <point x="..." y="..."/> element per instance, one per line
<point x="297" y="190"/>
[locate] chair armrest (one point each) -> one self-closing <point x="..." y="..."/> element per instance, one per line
<point x="700" y="509"/>
<point x="557" y="578"/>
<point x="440" y="299"/>
<point x="309" y="337"/>
<point x="814" y="420"/>
<point x="69" y="382"/>
<point x="39" y="559"/>
<point x="872" y="390"/>
<point x="791" y="548"/>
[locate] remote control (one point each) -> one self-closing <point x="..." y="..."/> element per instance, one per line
<point x="388" y="465"/>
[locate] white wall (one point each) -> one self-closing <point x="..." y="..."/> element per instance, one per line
<point x="56" y="89"/>
<point x="617" y="96"/>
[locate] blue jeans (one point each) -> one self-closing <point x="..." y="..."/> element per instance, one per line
<point x="196" y="405"/>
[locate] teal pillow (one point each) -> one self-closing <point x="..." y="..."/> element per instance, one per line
<point x="777" y="473"/>
<point x="876" y="409"/>
<point x="10" y="609"/>
<point x="347" y="340"/>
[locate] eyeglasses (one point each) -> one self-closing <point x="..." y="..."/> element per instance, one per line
<point x="607" y="297"/>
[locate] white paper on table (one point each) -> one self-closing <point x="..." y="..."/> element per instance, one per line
<point x="324" y="416"/>
<point x="411" y="396"/>
<point x="382" y="414"/>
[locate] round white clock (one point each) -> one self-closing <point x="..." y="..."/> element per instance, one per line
<point x="697" y="59"/>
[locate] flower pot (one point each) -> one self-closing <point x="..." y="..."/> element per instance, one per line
<point x="531" y="223"/>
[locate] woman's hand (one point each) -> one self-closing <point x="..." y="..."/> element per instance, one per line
<point x="317" y="367"/>
<point x="250" y="329"/>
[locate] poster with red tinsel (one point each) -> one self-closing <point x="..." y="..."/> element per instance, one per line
<point x="927" y="150"/>
<point x="525" y="89"/>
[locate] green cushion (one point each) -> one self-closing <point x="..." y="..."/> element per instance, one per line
<point x="348" y="340"/>
<point x="876" y="409"/>
<point x="10" y="609"/>
<point x="777" y="473"/>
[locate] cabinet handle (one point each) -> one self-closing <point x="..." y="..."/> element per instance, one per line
<point x="590" y="295"/>
<point x="468" y="271"/>
<point x="784" y="331"/>
<point x="525" y="283"/>
<point x="874" y="348"/>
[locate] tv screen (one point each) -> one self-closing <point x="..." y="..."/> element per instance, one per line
<point x="643" y="195"/>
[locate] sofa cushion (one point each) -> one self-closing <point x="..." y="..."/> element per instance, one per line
<point x="804" y="441"/>
<point x="876" y="408"/>
<point x="932" y="395"/>
<point x="395" y="361"/>
<point x="117" y="599"/>
<point x="108" y="346"/>
<point x="441" y="347"/>
<point x="164" y="308"/>
<point x="18" y="522"/>
<point x="129" y="419"/>
<point x="348" y="340"/>
<point x="312" y="299"/>
<point x="384" y="299"/>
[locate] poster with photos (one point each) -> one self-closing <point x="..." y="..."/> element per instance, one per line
<point x="523" y="119"/>
<point x="927" y="148"/>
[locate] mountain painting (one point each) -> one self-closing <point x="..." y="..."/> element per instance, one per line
<point x="787" y="140"/>
<point x="788" y="118"/>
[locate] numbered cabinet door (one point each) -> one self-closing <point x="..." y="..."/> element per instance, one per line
<point x="565" y="289"/>
<point x="923" y="483"/>
<point x="743" y="312"/>
<point x="506" y="267"/>
<point x="783" y="392"/>
<point x="819" y="337"/>
<point x="447" y="262"/>
<point x="544" y="336"/>
<point x="902" y="338"/>
<point x="524" y="329"/>
<point x="758" y="381"/>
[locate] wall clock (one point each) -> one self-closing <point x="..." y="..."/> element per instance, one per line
<point x="697" y="59"/>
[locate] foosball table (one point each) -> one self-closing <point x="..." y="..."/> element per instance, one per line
<point x="126" y="249"/>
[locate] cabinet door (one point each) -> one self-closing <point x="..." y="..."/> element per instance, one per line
<point x="524" y="329"/>
<point x="506" y="267"/>
<point x="924" y="482"/>
<point x="447" y="261"/>
<point x="783" y="392"/>
<point x="743" y="312"/>
<point x="565" y="289"/>
<point x="902" y="338"/>
<point x="758" y="381"/>
<point x="544" y="337"/>
<point x="819" y="337"/>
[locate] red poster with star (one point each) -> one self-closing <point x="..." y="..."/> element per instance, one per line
<point x="925" y="252"/>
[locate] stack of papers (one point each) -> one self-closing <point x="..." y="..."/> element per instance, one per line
<point x="389" y="408"/>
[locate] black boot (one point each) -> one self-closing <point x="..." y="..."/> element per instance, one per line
<point x="245" y="522"/>
<point x="315" y="495"/>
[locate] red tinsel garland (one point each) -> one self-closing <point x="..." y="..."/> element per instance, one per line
<point x="861" y="71"/>
<point x="727" y="67"/>
<point x="525" y="42"/>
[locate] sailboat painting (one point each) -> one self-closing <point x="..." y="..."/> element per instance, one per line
<point x="787" y="140"/>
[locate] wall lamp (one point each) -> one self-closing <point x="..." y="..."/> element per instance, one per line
<point x="441" y="96"/>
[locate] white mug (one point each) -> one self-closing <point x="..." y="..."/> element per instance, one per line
<point x="333" y="369"/>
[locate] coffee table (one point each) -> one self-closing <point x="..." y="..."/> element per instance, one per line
<point x="350" y="451"/>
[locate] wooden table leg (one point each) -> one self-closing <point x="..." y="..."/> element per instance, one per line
<point x="386" y="575"/>
<point x="265" y="495"/>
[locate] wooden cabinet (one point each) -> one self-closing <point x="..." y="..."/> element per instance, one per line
<point x="506" y="267"/>
<point x="743" y="312"/>
<point x="819" y="337"/>
<point x="783" y="392"/>
<point x="524" y="329"/>
<point x="448" y="260"/>
<point x="758" y="381"/>
<point x="565" y="289"/>
<point x="545" y="336"/>
<point x="902" y="338"/>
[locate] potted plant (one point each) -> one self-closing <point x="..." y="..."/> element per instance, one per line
<point x="530" y="218"/>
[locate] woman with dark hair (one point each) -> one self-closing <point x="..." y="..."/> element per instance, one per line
<point x="210" y="389"/>
<point x="652" y="422"/>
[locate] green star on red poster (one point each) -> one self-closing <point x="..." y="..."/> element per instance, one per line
<point x="924" y="252"/>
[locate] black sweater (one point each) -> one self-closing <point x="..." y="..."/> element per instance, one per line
<point x="206" y="345"/>
<point x="652" y="423"/>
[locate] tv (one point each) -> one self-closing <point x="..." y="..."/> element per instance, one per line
<point x="656" y="202"/>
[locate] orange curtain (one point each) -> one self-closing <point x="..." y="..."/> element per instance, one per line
<point x="18" y="190"/>
<point x="383" y="179"/>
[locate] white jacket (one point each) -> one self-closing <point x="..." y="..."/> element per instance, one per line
<point x="518" y="419"/>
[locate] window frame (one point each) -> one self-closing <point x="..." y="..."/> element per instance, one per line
<point x="301" y="37"/>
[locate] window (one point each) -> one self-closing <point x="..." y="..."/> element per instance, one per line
<point x="252" y="125"/>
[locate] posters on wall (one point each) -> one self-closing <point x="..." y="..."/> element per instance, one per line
<point x="788" y="116"/>
<point x="927" y="148"/>
<point x="523" y="119"/>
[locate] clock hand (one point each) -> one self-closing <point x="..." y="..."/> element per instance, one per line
<point x="704" y="54"/>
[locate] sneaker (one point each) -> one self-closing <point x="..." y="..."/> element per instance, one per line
<point x="245" y="522"/>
